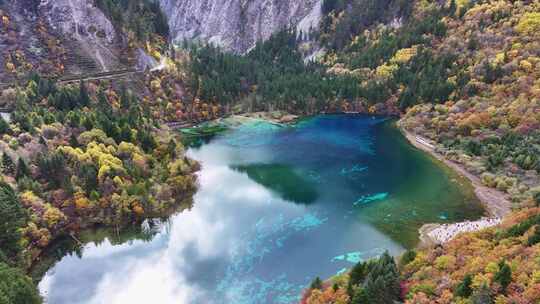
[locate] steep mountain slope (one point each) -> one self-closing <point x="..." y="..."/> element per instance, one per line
<point x="90" y="36"/>
<point x="55" y="38"/>
<point x="238" y="24"/>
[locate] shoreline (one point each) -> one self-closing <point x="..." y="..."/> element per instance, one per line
<point x="438" y="234"/>
<point x="495" y="202"/>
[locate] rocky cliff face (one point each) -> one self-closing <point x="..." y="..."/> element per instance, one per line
<point x="88" y="34"/>
<point x="237" y="25"/>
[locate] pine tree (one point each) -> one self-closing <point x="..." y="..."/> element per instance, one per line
<point x="126" y="134"/>
<point x="464" y="289"/>
<point x="125" y="98"/>
<point x="73" y="142"/>
<point x="13" y="218"/>
<point x="535" y="238"/>
<point x="358" y="273"/>
<point x="536" y="198"/>
<point x="103" y="103"/>
<point x="452" y="8"/>
<point x="22" y="169"/>
<point x="8" y="167"/>
<point x="171" y="149"/>
<point x="360" y="297"/>
<point x="16" y="287"/>
<point x="4" y="126"/>
<point x="84" y="98"/>
<point x="504" y="275"/>
<point x="316" y="284"/>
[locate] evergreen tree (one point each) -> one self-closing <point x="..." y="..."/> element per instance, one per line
<point x="73" y="142"/>
<point x="358" y="273"/>
<point x="22" y="169"/>
<point x="88" y="175"/>
<point x="171" y="149"/>
<point x="504" y="275"/>
<point x="16" y="288"/>
<point x="13" y="219"/>
<point x="452" y="8"/>
<point x="84" y="98"/>
<point x="126" y="134"/>
<point x="375" y="281"/>
<point x="316" y="284"/>
<point x="407" y="257"/>
<point x="536" y="198"/>
<point x="125" y="97"/>
<point x="87" y="123"/>
<point x="535" y="237"/>
<point x="464" y="289"/>
<point x="103" y="103"/>
<point x="8" y="167"/>
<point x="360" y="297"/>
<point x="4" y="126"/>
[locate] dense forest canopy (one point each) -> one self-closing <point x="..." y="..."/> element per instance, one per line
<point x="271" y="76"/>
<point x="274" y="75"/>
<point x="345" y="19"/>
<point x="142" y="17"/>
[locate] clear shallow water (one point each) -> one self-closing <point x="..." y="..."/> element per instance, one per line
<point x="276" y="208"/>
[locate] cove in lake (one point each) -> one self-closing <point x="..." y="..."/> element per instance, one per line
<point x="277" y="206"/>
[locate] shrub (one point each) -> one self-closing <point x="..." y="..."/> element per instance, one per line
<point x="407" y="257"/>
<point x="529" y="24"/>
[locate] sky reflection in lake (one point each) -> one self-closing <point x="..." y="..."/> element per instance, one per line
<point x="251" y="237"/>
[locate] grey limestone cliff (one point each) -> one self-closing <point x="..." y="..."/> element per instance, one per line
<point x="237" y="25"/>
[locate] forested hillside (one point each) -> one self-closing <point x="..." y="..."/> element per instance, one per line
<point x="81" y="155"/>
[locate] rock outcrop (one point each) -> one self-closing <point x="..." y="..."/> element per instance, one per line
<point x="237" y="25"/>
<point x="84" y="27"/>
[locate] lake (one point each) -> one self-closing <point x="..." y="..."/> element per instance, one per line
<point x="277" y="206"/>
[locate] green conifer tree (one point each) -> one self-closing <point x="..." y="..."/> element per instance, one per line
<point x="8" y="167"/>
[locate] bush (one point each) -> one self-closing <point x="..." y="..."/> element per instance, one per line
<point x="428" y="289"/>
<point x="407" y="257"/>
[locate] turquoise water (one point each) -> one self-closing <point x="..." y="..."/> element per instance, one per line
<point x="277" y="206"/>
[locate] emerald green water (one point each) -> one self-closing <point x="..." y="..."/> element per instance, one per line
<point x="277" y="206"/>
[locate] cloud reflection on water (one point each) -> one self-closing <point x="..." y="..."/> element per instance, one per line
<point x="241" y="243"/>
<point x="169" y="269"/>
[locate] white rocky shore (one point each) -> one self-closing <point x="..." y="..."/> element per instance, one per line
<point x="433" y="234"/>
